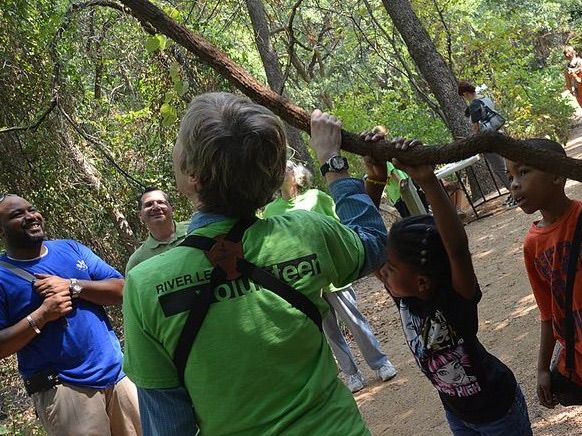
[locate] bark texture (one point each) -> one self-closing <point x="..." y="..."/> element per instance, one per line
<point x="275" y="77"/>
<point x="431" y="65"/>
<point x="508" y="147"/>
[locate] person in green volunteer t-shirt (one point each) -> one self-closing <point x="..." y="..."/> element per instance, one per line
<point x="157" y="214"/>
<point x="395" y="176"/>
<point x="258" y="365"/>
<point x="342" y="302"/>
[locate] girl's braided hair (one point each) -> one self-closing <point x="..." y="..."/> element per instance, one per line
<point x="418" y="243"/>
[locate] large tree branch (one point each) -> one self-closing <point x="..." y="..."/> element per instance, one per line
<point x="148" y="13"/>
<point x="508" y="147"/>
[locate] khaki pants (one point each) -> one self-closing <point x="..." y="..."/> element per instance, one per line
<point x="68" y="410"/>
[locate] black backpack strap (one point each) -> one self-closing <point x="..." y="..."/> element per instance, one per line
<point x="486" y="112"/>
<point x="201" y="303"/>
<point x="205" y="243"/>
<point x="196" y="316"/>
<point x="282" y="289"/>
<point x="570" y="332"/>
<point x="268" y="281"/>
<point x="196" y="241"/>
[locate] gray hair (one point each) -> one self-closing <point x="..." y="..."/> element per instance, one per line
<point x="236" y="149"/>
<point x="303" y="177"/>
<point x="569" y="49"/>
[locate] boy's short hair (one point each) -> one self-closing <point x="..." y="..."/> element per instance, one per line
<point x="465" y="86"/>
<point x="545" y="145"/>
<point x="236" y="149"/>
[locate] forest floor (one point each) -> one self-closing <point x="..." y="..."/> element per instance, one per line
<point x="508" y="328"/>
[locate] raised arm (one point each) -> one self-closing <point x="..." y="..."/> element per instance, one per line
<point x="448" y="223"/>
<point x="353" y="206"/>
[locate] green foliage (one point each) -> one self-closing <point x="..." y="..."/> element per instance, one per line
<point x="125" y="91"/>
<point x="360" y="111"/>
<point x="156" y="43"/>
<point x="524" y="76"/>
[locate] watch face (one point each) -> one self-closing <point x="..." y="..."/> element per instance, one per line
<point x="337" y="163"/>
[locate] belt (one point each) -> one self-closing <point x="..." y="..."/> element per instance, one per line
<point x="41" y="381"/>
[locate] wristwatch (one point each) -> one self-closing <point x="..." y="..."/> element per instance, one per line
<point x="335" y="164"/>
<point x="75" y="288"/>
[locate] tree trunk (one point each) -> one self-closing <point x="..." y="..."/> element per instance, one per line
<point x="431" y="65"/>
<point x="150" y="15"/>
<point x="439" y="78"/>
<point x="89" y="174"/>
<point x="273" y="71"/>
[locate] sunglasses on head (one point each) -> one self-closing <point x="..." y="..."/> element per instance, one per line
<point x="3" y="197"/>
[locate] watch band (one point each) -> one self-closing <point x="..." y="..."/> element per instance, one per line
<point x="75" y="288"/>
<point x="327" y="165"/>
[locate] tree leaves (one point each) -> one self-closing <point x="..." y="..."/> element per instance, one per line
<point x="156" y="43"/>
<point x="169" y="114"/>
<point x="181" y="86"/>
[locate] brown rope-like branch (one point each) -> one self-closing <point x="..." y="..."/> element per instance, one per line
<point x="513" y="149"/>
<point x="34" y="125"/>
<point x="510" y="148"/>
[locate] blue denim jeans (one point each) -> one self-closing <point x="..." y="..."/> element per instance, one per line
<point x="343" y="307"/>
<point x="514" y="423"/>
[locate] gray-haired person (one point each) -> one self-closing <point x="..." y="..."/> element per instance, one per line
<point x="257" y="362"/>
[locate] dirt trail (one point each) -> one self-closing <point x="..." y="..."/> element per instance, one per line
<point x="508" y="328"/>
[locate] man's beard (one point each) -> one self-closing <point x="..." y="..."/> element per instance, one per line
<point x="24" y="240"/>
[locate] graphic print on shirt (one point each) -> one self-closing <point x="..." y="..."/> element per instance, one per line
<point x="81" y="265"/>
<point x="440" y="352"/>
<point x="176" y="294"/>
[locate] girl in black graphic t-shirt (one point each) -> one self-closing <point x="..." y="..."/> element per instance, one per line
<point x="429" y="272"/>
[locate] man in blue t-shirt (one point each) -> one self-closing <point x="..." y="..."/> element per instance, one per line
<point x="52" y="295"/>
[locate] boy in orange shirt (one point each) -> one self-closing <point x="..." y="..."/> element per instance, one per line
<point x="546" y="250"/>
